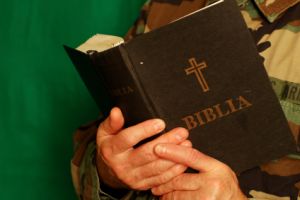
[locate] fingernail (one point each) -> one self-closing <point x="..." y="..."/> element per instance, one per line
<point x="187" y="143"/>
<point x="158" y="125"/>
<point x="159" y="149"/>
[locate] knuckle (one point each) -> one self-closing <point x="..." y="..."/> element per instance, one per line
<point x="159" y="166"/>
<point x="161" y="173"/>
<point x="163" y="178"/>
<point x="154" y="168"/>
<point x="167" y="176"/>
<point x="149" y="156"/>
<point x="178" y="169"/>
<point x="145" y="154"/>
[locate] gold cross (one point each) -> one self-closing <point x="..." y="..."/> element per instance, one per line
<point x="196" y="69"/>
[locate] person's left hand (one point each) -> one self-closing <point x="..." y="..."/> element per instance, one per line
<point x="215" y="180"/>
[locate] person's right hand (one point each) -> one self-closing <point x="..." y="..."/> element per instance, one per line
<point x="121" y="166"/>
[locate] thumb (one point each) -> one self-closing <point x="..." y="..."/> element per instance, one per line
<point x="112" y="124"/>
<point x="186" y="156"/>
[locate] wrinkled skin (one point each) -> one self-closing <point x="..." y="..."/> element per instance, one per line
<point x="215" y="180"/>
<point x="122" y="166"/>
<point x="159" y="165"/>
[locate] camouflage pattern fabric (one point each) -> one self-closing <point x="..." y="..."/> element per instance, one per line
<point x="275" y="26"/>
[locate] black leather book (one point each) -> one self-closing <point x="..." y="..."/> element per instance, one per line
<point x="201" y="72"/>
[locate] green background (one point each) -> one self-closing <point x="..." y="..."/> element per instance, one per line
<point x="42" y="97"/>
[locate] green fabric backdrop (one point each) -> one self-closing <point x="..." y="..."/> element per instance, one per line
<point x="42" y="97"/>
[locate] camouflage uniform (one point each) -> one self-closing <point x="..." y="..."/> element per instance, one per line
<point x="275" y="26"/>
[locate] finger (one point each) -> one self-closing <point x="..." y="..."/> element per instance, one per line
<point x="163" y="178"/>
<point x="183" y="182"/>
<point x="154" y="168"/>
<point x="131" y="136"/>
<point x="186" y="156"/>
<point x="112" y="124"/>
<point x="145" y="154"/>
<point x="175" y="136"/>
<point x="186" y="143"/>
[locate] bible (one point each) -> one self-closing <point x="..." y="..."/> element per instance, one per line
<point x="201" y="72"/>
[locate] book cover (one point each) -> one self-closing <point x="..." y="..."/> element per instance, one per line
<point x="201" y="72"/>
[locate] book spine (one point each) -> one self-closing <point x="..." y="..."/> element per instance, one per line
<point x="124" y="86"/>
<point x="139" y="83"/>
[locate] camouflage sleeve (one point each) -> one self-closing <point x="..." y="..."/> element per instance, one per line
<point x="275" y="27"/>
<point x="85" y="177"/>
<point x="83" y="168"/>
<point x="140" y="23"/>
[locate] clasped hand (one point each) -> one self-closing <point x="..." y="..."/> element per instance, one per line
<point x="159" y="165"/>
